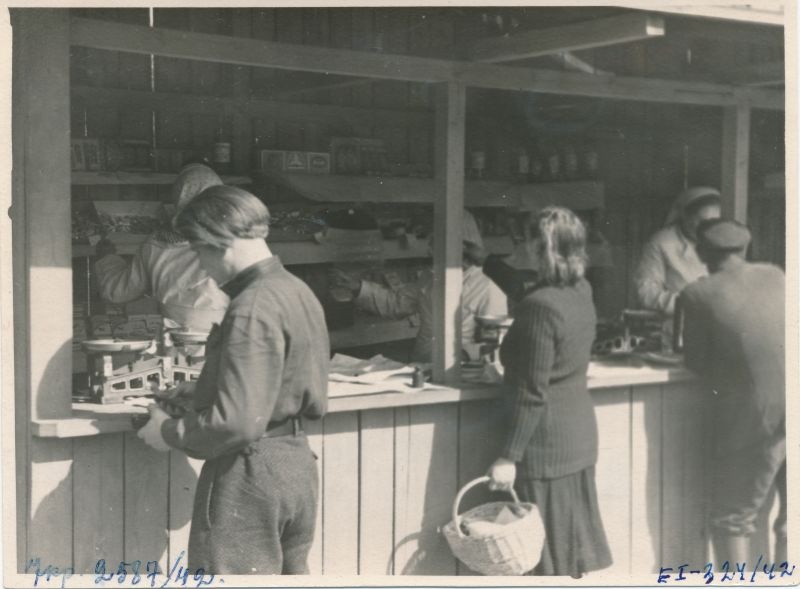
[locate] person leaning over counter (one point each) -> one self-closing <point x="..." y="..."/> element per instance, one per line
<point x="266" y="368"/>
<point x="479" y="297"/>
<point x="517" y="275"/>
<point x="669" y="260"/>
<point x="166" y="268"/>
<point x="734" y="328"/>
<point x="551" y="427"/>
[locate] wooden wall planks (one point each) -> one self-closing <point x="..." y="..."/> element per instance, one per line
<point x="646" y="448"/>
<point x="50" y="508"/>
<point x="614" y="472"/>
<point x="98" y="501"/>
<point x="146" y="495"/>
<point x="183" y="475"/>
<point x="376" y="489"/>
<point x="340" y="490"/>
<point x="388" y="479"/>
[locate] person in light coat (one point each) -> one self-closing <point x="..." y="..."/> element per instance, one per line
<point x="166" y="268"/>
<point x="669" y="260"/>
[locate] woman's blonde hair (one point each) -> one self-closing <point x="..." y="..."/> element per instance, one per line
<point x="220" y="214"/>
<point x="561" y="246"/>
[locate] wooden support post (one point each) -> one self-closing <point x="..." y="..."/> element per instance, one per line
<point x="447" y="215"/>
<point x="735" y="161"/>
<point x="42" y="272"/>
<point x="43" y="263"/>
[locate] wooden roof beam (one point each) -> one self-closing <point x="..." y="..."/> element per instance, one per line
<point x="764" y="13"/>
<point x="758" y="74"/>
<point x="572" y="37"/>
<point x="347" y="62"/>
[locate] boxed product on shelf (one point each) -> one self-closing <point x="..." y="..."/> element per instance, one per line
<point x="296" y="161"/>
<point x="319" y="163"/>
<point x="358" y="155"/>
<point x="87" y="155"/>
<point x="272" y="160"/>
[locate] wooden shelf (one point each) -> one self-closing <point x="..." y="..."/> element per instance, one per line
<point x="310" y="252"/>
<point x="478" y="193"/>
<point x="117" y="178"/>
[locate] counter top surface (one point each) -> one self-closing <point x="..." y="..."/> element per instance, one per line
<point x="89" y="419"/>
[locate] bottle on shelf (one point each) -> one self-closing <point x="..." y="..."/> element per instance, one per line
<point x="570" y="162"/>
<point x="221" y="154"/>
<point x="591" y="162"/>
<point x="523" y="167"/>
<point x="553" y="170"/>
<point x="536" y="171"/>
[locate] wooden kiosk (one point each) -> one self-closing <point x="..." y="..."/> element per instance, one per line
<point x="390" y="464"/>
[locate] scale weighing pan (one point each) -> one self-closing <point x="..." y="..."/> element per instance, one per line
<point x="186" y="336"/>
<point x="113" y="345"/>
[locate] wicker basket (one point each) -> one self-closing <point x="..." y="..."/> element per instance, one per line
<point x="514" y="550"/>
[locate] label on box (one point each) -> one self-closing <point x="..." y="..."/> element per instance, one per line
<point x="296" y="161"/>
<point x="319" y="163"/>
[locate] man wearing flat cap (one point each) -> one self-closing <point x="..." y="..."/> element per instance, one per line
<point x="734" y="340"/>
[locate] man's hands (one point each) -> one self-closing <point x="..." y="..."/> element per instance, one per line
<point x="341" y="279"/>
<point x="151" y="432"/>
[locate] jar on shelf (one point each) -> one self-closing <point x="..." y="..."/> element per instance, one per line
<point x="570" y="162"/>
<point x="221" y="153"/>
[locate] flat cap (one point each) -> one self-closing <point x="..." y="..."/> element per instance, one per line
<point x="723" y="235"/>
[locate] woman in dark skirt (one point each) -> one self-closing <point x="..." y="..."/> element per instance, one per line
<point x="552" y="429"/>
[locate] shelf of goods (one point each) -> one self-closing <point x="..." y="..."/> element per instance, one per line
<point x="578" y="195"/>
<point x="143" y="178"/>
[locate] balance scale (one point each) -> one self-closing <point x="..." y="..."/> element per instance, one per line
<point x="123" y="368"/>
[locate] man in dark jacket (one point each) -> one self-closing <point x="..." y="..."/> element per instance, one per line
<point x="266" y="369"/>
<point x="734" y="339"/>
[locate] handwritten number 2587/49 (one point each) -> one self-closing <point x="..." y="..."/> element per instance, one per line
<point x="121" y="573"/>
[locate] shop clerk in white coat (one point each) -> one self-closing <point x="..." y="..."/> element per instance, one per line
<point x="479" y="296"/>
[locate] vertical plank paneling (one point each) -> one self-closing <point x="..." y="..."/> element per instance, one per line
<point x="146" y="496"/>
<point x="479" y="440"/>
<point x="98" y="501"/>
<point x="646" y="480"/>
<point x="376" y="512"/>
<point x="403" y="529"/>
<point x="50" y="531"/>
<point x="430" y="446"/>
<point x="613" y="472"/>
<point x="684" y="497"/>
<point x="183" y="475"/>
<point x="313" y="430"/>
<point x="340" y="484"/>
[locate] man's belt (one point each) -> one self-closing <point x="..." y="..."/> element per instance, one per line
<point x="288" y="427"/>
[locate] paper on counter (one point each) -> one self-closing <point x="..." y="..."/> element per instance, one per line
<point x="377" y="369"/>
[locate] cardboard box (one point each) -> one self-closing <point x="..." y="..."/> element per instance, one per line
<point x="296" y="161"/>
<point x="318" y="162"/>
<point x="87" y="155"/>
<point x="272" y="160"/>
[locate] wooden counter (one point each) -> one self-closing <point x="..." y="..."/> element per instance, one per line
<point x="92" y="419"/>
<point x="390" y="465"/>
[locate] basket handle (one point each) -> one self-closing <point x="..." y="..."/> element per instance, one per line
<point x="463" y="491"/>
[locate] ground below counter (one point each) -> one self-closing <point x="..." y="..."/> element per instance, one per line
<point x="93" y="419"/>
